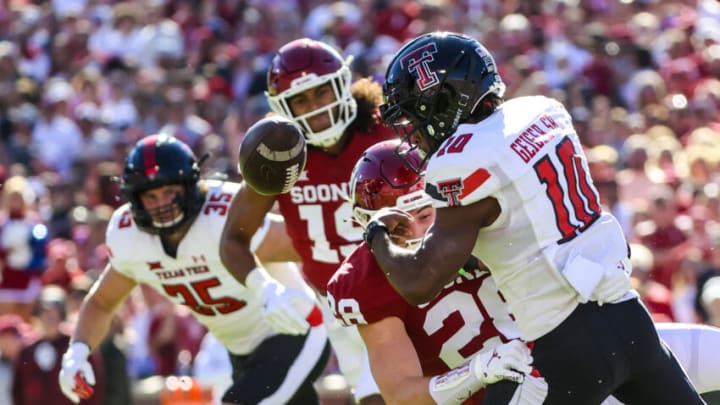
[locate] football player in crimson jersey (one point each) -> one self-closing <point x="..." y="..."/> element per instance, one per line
<point x="421" y="354"/>
<point x="310" y="83"/>
<point x="511" y="186"/>
<point x="167" y="237"/>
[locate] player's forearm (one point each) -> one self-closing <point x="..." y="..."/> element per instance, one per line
<point x="402" y="267"/>
<point x="93" y="324"/>
<point x="408" y="391"/>
<point x="236" y="257"/>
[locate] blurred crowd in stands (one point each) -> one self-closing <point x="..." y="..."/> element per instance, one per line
<point x="82" y="80"/>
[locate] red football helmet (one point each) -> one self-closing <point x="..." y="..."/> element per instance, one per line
<point x="304" y="64"/>
<point x="381" y="178"/>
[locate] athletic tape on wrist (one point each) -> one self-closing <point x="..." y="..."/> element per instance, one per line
<point x="256" y="279"/>
<point x="455" y="386"/>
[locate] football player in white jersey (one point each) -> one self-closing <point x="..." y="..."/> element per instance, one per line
<point x="511" y="186"/>
<point x="167" y="237"/>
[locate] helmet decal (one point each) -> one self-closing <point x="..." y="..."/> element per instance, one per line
<point x="149" y="158"/>
<point x="434" y="83"/>
<point x="417" y="62"/>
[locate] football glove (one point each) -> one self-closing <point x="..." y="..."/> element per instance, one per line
<point x="532" y="391"/>
<point x="509" y="361"/>
<point x="285" y="309"/>
<point x="76" y="375"/>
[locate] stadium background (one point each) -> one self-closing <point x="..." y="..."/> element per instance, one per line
<point x="82" y="80"/>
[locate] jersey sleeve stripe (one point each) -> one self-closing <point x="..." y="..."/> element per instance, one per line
<point x="474" y="181"/>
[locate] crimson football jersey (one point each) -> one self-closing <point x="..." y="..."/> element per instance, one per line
<point x="467" y="316"/>
<point x="317" y="211"/>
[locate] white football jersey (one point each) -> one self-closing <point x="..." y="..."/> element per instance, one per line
<point x="196" y="278"/>
<point x="528" y="157"/>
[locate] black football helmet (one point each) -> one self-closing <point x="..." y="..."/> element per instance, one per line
<point x="435" y="82"/>
<point x="381" y="179"/>
<point x="156" y="161"/>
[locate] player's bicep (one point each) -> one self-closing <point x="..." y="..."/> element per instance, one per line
<point x="454" y="232"/>
<point x="392" y="355"/>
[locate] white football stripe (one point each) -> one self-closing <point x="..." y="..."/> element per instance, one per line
<point x="280" y="155"/>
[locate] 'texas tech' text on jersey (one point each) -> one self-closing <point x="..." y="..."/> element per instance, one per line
<point x="195" y="278"/>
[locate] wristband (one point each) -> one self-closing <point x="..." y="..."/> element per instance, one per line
<point x="455" y="386"/>
<point x="256" y="280"/>
<point x="372" y="229"/>
<point x="80" y="349"/>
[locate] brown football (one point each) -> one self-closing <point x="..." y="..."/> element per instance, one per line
<point x="272" y="155"/>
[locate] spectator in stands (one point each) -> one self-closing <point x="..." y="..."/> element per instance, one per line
<point x="39" y="363"/>
<point x="56" y="138"/>
<point x="662" y="236"/>
<point x="63" y="268"/>
<point x="710" y="299"/>
<point x="13" y="337"/>
<point x="23" y="239"/>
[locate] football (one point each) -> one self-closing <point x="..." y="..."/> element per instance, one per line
<point x="272" y="155"/>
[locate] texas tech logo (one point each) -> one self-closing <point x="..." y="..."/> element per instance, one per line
<point x="451" y="189"/>
<point x="417" y="63"/>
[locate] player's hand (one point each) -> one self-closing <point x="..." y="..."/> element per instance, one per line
<point x="76" y="375"/>
<point x="397" y="222"/>
<point x="285" y="309"/>
<point x="289" y="311"/>
<point x="532" y="391"/>
<point x="509" y="361"/>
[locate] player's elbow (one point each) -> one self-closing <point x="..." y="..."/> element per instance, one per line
<point x="231" y="242"/>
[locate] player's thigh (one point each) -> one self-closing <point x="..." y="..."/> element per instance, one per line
<point x="656" y="376"/>
<point x="282" y="369"/>
<point x="573" y="358"/>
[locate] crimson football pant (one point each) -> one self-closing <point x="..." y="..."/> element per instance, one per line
<point x="605" y="350"/>
<point x="282" y="369"/>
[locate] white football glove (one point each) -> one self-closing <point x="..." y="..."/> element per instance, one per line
<point x="508" y="361"/>
<point x="76" y="375"/>
<point x="532" y="391"/>
<point x="285" y="309"/>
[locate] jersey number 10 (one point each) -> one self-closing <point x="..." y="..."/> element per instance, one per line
<point x="582" y="207"/>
